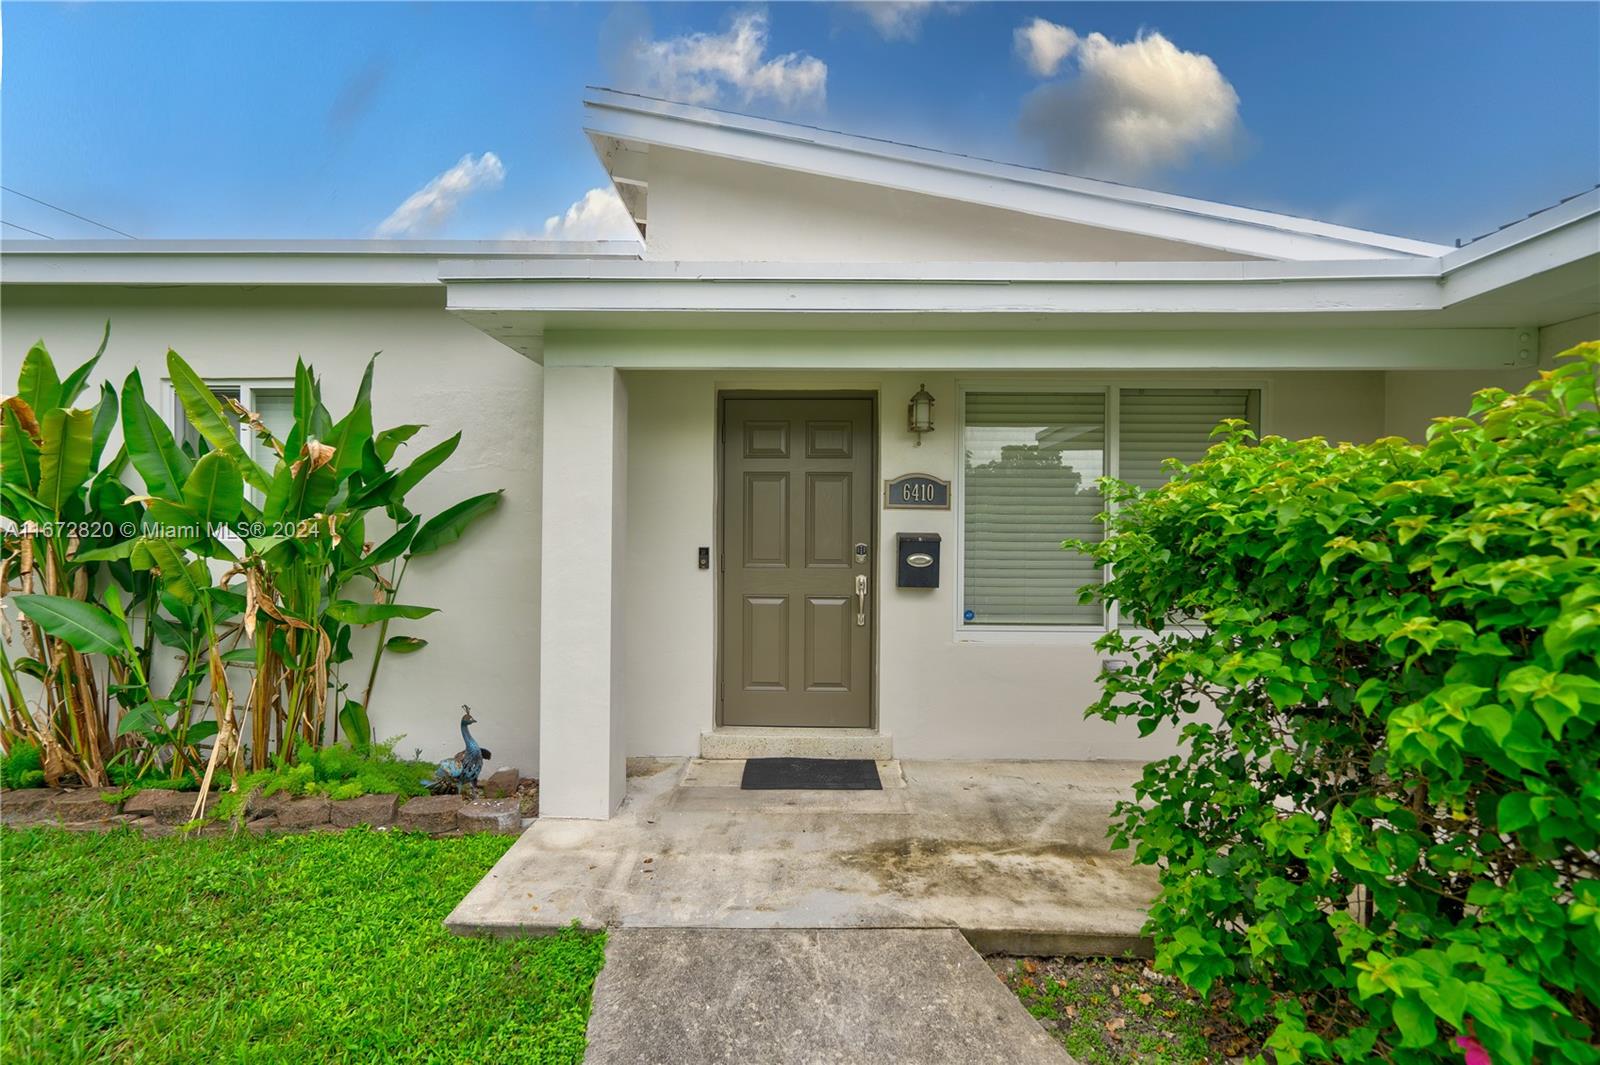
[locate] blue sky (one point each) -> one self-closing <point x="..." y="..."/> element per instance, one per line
<point x="1436" y="120"/>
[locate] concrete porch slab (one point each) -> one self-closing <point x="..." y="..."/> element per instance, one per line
<point x="705" y="996"/>
<point x="1012" y="854"/>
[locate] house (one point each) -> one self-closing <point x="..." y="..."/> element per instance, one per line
<point x="710" y="516"/>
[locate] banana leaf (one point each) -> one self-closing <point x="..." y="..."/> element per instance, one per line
<point x="151" y="448"/>
<point x="37" y="382"/>
<point x="448" y="526"/>
<point x="64" y="455"/>
<point x="84" y="626"/>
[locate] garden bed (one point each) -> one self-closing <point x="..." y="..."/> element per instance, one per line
<point x="315" y="948"/>
<point x="1109" y="1011"/>
<point x="162" y="812"/>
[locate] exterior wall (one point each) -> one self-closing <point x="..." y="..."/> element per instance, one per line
<point x="484" y="643"/>
<point x="941" y="695"/>
<point x="717" y="209"/>
<point x="1413" y="398"/>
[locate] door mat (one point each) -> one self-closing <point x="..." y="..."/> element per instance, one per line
<point x="810" y="774"/>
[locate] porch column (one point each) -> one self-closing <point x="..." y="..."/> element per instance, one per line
<point x="582" y="769"/>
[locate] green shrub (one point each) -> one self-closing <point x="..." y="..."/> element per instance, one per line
<point x="22" y="766"/>
<point x="1384" y="829"/>
<point x="338" y="771"/>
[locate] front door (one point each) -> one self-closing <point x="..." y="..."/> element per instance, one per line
<point x="797" y="568"/>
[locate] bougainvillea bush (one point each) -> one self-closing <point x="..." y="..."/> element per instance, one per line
<point x="1383" y="831"/>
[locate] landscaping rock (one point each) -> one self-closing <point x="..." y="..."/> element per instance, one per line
<point x="429" y="813"/>
<point x="298" y="814"/>
<point x="115" y="821"/>
<point x="82" y="805"/>
<point x="262" y="825"/>
<point x="151" y="828"/>
<point x="266" y="805"/>
<point x="167" y="807"/>
<point x="25" y="806"/>
<point x="499" y="816"/>
<point x="502" y="784"/>
<point x="375" y="810"/>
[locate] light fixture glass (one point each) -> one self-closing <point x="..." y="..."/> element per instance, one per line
<point x="919" y="413"/>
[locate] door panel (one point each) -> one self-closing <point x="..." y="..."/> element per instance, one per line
<point x="766" y="645"/>
<point x="766" y="519"/>
<point x="797" y="498"/>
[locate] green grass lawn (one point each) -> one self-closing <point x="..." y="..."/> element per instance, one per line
<point x="318" y="948"/>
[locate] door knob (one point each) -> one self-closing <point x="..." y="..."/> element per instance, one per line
<point x="861" y="599"/>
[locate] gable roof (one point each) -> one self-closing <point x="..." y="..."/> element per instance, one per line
<point x="624" y="127"/>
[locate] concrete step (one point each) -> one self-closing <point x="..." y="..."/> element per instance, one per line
<point x="752" y="742"/>
<point x="898" y="996"/>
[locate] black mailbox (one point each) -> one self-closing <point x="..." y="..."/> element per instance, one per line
<point x="917" y="564"/>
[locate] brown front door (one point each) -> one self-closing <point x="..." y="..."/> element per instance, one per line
<point x="797" y="567"/>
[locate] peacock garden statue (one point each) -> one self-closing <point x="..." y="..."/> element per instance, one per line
<point x="460" y="774"/>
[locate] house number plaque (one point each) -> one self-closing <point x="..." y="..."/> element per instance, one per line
<point x="916" y="491"/>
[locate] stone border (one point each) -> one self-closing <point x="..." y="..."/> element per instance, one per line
<point x="156" y="812"/>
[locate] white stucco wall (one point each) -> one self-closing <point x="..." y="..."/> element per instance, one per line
<point x="484" y="643"/>
<point x="941" y="695"/>
<point x="705" y="208"/>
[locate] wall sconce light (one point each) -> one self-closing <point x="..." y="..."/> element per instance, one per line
<point x="919" y="413"/>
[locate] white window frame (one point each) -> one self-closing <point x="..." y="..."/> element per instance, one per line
<point x="1111" y="388"/>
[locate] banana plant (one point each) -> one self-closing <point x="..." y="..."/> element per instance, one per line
<point x="238" y="567"/>
<point x="65" y="514"/>
<point x="305" y="550"/>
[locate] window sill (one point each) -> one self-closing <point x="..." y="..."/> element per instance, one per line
<point x="1051" y="635"/>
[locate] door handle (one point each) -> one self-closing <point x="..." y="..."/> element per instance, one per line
<point x="861" y="599"/>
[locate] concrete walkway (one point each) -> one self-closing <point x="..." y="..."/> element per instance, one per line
<point x="690" y="996"/>
<point x="1012" y="854"/>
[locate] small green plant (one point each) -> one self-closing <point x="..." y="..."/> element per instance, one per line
<point x="1383" y="665"/>
<point x="339" y="771"/>
<point x="22" y="766"/>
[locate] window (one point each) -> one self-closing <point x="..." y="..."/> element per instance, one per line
<point x="1031" y="461"/>
<point x="273" y="400"/>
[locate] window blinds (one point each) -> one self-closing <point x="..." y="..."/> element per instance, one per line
<point x="1031" y="464"/>
<point x="1155" y="424"/>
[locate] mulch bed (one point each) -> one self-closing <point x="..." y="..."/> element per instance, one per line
<point x="1109" y="1011"/>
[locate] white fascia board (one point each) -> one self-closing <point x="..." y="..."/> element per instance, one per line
<point x="624" y="296"/>
<point x="1564" y="234"/>
<point x="1004" y="352"/>
<point x="1576" y="211"/>
<point x="1103" y="204"/>
<point x="270" y="262"/>
<point x="921" y="288"/>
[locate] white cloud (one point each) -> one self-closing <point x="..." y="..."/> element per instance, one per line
<point x="699" y="68"/>
<point x="1133" y="108"/>
<point x="597" y="215"/>
<point x="433" y="204"/>
<point x="1043" y="45"/>
<point x="898" y="20"/>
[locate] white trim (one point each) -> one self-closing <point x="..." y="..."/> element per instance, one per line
<point x="1569" y="212"/>
<point x="404" y="263"/>
<point x="642" y="121"/>
<point x="1111" y="388"/>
